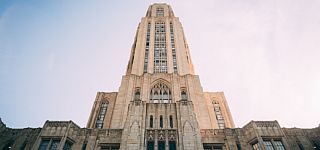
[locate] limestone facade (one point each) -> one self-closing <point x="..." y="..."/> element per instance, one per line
<point x="160" y="96"/>
<point x="160" y="105"/>
<point x="255" y="132"/>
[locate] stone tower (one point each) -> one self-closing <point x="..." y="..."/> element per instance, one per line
<point x="160" y="106"/>
<point x="160" y="103"/>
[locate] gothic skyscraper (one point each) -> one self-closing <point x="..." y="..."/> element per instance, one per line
<point x="160" y="93"/>
<point x="160" y="105"/>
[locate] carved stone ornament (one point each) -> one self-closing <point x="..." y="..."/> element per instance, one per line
<point x="150" y="135"/>
<point x="161" y="136"/>
<point x="172" y="136"/>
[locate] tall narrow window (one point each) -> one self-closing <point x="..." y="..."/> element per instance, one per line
<point x="219" y="117"/>
<point x="151" y="122"/>
<point x="174" y="54"/>
<point x="145" y="66"/>
<point x="160" y="93"/>
<point x="161" y="121"/>
<point x="171" y="121"/>
<point x="101" y="115"/>
<point x="159" y="12"/>
<point x="160" y="50"/>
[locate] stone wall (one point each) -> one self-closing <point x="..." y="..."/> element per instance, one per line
<point x="17" y="138"/>
<point x="226" y="139"/>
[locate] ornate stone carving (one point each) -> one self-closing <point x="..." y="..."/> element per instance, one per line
<point x="150" y="135"/>
<point x="172" y="135"/>
<point x="161" y="135"/>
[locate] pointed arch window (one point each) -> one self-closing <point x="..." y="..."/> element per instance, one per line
<point x="160" y="93"/>
<point x="102" y="114"/>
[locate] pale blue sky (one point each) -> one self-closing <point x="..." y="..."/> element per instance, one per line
<point x="55" y="56"/>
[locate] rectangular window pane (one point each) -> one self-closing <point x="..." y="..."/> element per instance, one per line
<point x="268" y="145"/>
<point x="159" y="12"/>
<point x="44" y="144"/>
<point x="217" y="148"/>
<point x="255" y="146"/>
<point x="54" y="145"/>
<point x="279" y="145"/>
<point x="115" y="148"/>
<point x="67" y="145"/>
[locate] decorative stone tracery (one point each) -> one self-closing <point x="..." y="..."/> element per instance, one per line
<point x="160" y="93"/>
<point x="161" y="135"/>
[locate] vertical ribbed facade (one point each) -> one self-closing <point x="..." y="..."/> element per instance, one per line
<point x="160" y="41"/>
<point x="160" y="103"/>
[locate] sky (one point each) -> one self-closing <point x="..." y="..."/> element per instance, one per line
<point x="56" y="55"/>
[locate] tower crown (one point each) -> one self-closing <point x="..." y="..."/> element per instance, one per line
<point x="160" y="45"/>
<point x="160" y="10"/>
